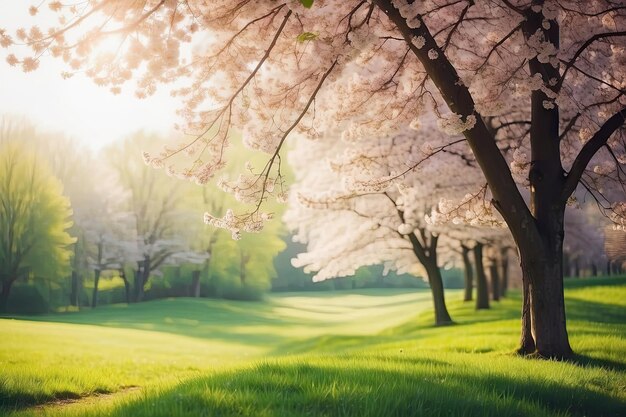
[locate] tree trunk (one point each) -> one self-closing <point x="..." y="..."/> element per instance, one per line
<point x="594" y="269"/>
<point x="495" y="280"/>
<point x="547" y="308"/>
<point x="426" y="253"/>
<point x="469" y="273"/>
<point x="504" y="260"/>
<point x="442" y="317"/>
<point x="244" y="258"/>
<point x="138" y="284"/>
<point x="96" y="281"/>
<point x="576" y="268"/>
<point x="141" y="289"/>
<point x="126" y="284"/>
<point x="482" y="291"/>
<point x="75" y="292"/>
<point x="608" y="267"/>
<point x="527" y="342"/>
<point x="542" y="253"/>
<point x="616" y="268"/>
<point x="195" y="284"/>
<point x="4" y="295"/>
<point x="542" y="270"/>
<point x="141" y="278"/>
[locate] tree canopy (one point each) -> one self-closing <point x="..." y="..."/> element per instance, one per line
<point x="34" y="218"/>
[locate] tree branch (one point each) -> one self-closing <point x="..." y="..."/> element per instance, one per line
<point x="589" y="150"/>
<point x="580" y="50"/>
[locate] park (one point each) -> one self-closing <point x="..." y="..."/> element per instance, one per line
<point x="313" y="208"/>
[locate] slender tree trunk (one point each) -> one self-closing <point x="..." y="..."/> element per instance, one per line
<point x="4" y="295"/>
<point x="594" y="269"/>
<point x="96" y="281"/>
<point x="504" y="261"/>
<point x="243" y="261"/>
<point x="482" y="291"/>
<point x="426" y="252"/>
<point x="608" y="267"/>
<point x="74" y="294"/>
<point x="141" y="279"/>
<point x="469" y="273"/>
<point x="442" y="317"/>
<point x="576" y="268"/>
<point x="126" y="284"/>
<point x="195" y="284"/>
<point x="141" y="289"/>
<point x="138" y="284"/>
<point x="495" y="280"/>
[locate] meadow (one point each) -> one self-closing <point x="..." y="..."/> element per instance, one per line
<point x="362" y="353"/>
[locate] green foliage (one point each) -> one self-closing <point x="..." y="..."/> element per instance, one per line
<point x="369" y="353"/>
<point x="33" y="218"/>
<point x="307" y="3"/>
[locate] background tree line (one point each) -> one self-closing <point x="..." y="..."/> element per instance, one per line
<point x="82" y="228"/>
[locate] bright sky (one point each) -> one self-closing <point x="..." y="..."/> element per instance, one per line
<point x="76" y="106"/>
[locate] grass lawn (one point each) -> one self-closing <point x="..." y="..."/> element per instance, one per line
<point x="370" y="353"/>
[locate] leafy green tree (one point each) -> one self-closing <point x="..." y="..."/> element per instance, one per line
<point x="33" y="219"/>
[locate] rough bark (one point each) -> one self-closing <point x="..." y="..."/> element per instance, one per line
<point x="527" y="342"/>
<point x="482" y="291"/>
<point x="547" y="305"/>
<point x="469" y="273"/>
<point x="96" y="281"/>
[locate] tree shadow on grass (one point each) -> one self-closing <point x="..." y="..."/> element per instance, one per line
<point x="589" y="361"/>
<point x="372" y="387"/>
<point x="593" y="311"/>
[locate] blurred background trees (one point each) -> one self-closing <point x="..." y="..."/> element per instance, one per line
<point x="34" y="217"/>
<point x="81" y="227"/>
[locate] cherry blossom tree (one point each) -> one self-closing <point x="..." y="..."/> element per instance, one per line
<point x="366" y="223"/>
<point x="542" y="77"/>
<point x="154" y="202"/>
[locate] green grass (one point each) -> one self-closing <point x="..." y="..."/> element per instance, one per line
<point x="372" y="353"/>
